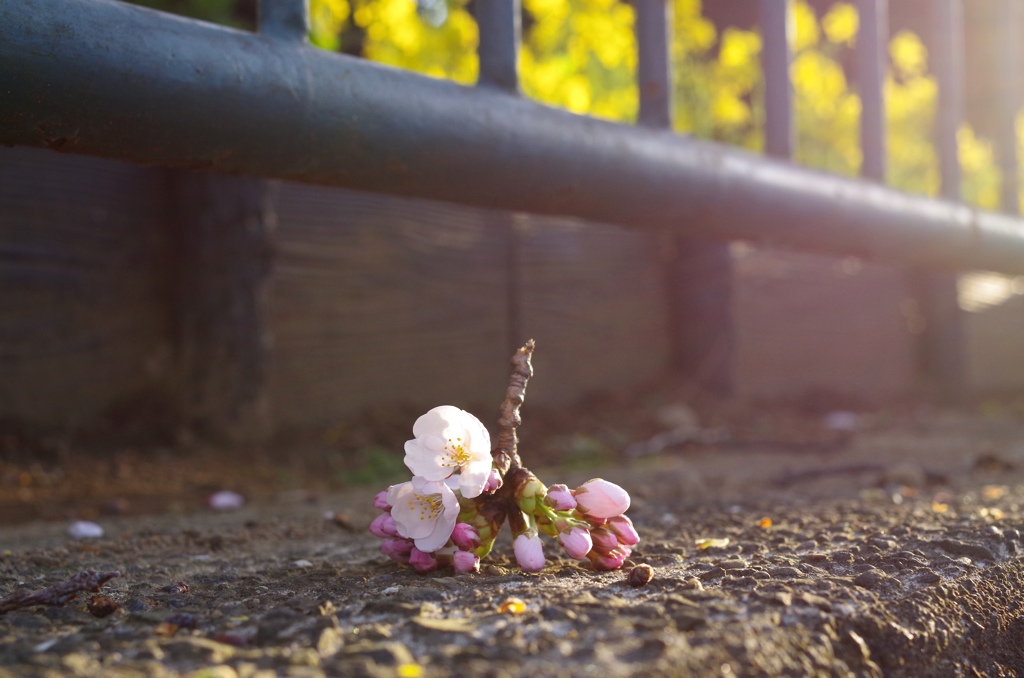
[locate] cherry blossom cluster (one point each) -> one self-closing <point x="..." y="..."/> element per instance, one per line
<point x="451" y="511"/>
<point x="589" y="522"/>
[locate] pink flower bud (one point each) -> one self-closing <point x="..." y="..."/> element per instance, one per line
<point x="604" y="539"/>
<point x="601" y="499"/>
<point x="464" y="561"/>
<point x="560" y="498"/>
<point x="423" y="562"/>
<point x="624" y="530"/>
<point x="397" y="550"/>
<point x="493" y="483"/>
<point x="381" y="501"/>
<point x="529" y="552"/>
<point x="383" y="526"/>
<point x="576" y="542"/>
<point x="609" y="561"/>
<point x="466" y="537"/>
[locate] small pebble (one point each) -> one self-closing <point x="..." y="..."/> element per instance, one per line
<point x="870" y="578"/>
<point x="102" y="606"/>
<point x="84" y="529"/>
<point x="641" y="575"/>
<point x="226" y="500"/>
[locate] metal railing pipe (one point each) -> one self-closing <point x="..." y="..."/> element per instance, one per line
<point x="76" y="77"/>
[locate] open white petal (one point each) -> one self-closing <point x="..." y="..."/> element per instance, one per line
<point x="423" y="509"/>
<point x="440" y="535"/>
<point x="424" y="459"/>
<point x="473" y="477"/>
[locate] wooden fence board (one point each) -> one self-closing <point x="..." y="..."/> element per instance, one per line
<point x="379" y="300"/>
<point x="376" y="300"/>
<point x="81" y="258"/>
<point x="813" y="324"/>
<point x="593" y="297"/>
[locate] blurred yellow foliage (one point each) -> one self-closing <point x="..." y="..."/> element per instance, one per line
<point x="841" y="23"/>
<point x="326" y="18"/>
<point x="396" y="34"/>
<point x="804" y="34"/>
<point x="908" y="54"/>
<point x="581" y="55"/>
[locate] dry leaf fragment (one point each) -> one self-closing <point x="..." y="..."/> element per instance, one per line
<point x="993" y="492"/>
<point x="708" y="543"/>
<point x="409" y="671"/>
<point x="512" y="605"/>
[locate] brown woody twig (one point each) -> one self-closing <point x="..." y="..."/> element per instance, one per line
<point x="506" y="455"/>
<point x="58" y="594"/>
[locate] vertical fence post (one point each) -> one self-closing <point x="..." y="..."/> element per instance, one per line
<point x="941" y="347"/>
<point x="698" y="272"/>
<point x="499" y="26"/>
<point x="1009" y="35"/>
<point x="284" y="19"/>
<point x="222" y="228"/>
<point x="872" y="60"/>
<point x="776" y="58"/>
<point x="654" y="71"/>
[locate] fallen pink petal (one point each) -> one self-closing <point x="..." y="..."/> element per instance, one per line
<point x="226" y="500"/>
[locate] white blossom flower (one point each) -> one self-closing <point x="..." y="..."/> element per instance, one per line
<point x="424" y="511"/>
<point x="450" y="440"/>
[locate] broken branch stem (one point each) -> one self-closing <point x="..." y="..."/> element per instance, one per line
<point x="58" y="594"/>
<point x="506" y="455"/>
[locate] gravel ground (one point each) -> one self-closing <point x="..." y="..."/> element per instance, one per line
<point x="896" y="553"/>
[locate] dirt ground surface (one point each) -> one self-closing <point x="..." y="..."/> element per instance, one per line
<point x="877" y="545"/>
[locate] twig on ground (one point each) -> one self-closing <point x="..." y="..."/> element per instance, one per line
<point x="58" y="594"/>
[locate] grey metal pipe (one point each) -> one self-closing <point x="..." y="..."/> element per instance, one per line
<point x="498" y="22"/>
<point x="1008" y="36"/>
<point x="77" y="76"/>
<point x="949" y="71"/>
<point x="776" y="58"/>
<point x="653" y="31"/>
<point x="872" y="64"/>
<point x="284" y="19"/>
